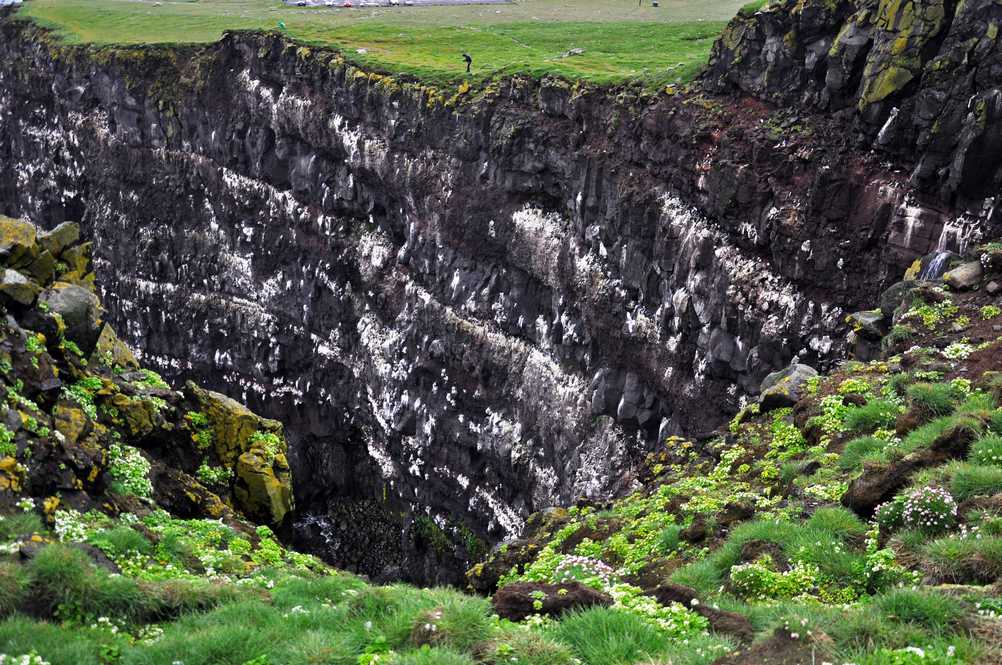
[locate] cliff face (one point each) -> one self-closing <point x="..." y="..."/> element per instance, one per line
<point x="465" y="309"/>
<point x="919" y="81"/>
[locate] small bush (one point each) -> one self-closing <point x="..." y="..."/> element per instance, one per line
<point x="929" y="509"/>
<point x="890" y="514"/>
<point x="987" y="450"/>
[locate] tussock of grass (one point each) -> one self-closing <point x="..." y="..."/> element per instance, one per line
<point x="859" y="450"/>
<point x="987" y="450"/>
<point x="932" y="399"/>
<point x="875" y="414"/>
<point x="602" y="636"/>
<point x="971" y="480"/>
<point x="964" y="559"/>
<point x="934" y="612"/>
<point x="18" y="525"/>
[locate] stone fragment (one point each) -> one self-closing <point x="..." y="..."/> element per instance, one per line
<point x="59" y="238"/>
<point x="785" y="387"/>
<point x="80" y="310"/>
<point x="43" y="268"/>
<point x="993" y="287"/>
<point x="17" y="288"/>
<point x="965" y="276"/>
<point x="872" y="324"/>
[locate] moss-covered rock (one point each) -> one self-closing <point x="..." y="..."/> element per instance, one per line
<point x="254" y="448"/>
<point x="263" y="488"/>
<point x="16" y="288"/>
<point x="79" y="309"/>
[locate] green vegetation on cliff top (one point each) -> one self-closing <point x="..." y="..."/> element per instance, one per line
<point x="620" y="41"/>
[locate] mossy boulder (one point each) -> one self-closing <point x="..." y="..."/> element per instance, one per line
<point x="16" y="288"/>
<point x="233" y="425"/>
<point x="263" y="489"/>
<point x="79" y="309"/>
<point x="59" y="238"/>
<point x="785" y="387"/>
<point x="255" y="448"/>
<point x="71" y="422"/>
<point x="138" y="416"/>
<point x="965" y="276"/>
<point x="112" y="351"/>
<point x="18" y="242"/>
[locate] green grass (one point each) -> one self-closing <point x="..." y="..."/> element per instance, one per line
<point x="17" y="525"/>
<point x="970" y="480"/>
<point x="620" y="41"/>
<point x="933" y="612"/>
<point x="602" y="636"/>
<point x="859" y="450"/>
<point x="959" y="559"/>
<point x="987" y="450"/>
<point x="875" y="414"/>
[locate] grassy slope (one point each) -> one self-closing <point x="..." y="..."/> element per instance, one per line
<point x="620" y="41"/>
<point x="753" y="521"/>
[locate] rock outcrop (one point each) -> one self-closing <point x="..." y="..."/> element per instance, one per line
<point x="920" y="81"/>
<point x="83" y="426"/>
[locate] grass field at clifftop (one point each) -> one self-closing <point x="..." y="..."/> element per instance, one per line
<point x="620" y="40"/>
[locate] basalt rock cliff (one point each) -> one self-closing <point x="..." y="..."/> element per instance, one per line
<point x="469" y="305"/>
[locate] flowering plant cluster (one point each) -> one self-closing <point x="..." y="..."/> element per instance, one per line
<point x="931" y="509"/>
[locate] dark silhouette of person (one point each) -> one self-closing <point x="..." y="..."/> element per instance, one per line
<point x="469" y="61"/>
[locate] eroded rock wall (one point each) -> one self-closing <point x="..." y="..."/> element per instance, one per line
<point x="465" y="309"/>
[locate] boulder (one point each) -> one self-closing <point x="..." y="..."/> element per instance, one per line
<point x="15" y="287"/>
<point x="18" y="242"/>
<point x="137" y="415"/>
<point x="71" y="422"/>
<point x="785" y="387"/>
<point x="263" y="489"/>
<point x="59" y="238"/>
<point x="232" y="423"/>
<point x="113" y="351"/>
<point x="43" y="268"/>
<point x="871" y="324"/>
<point x="80" y="310"/>
<point x="993" y="287"/>
<point x="522" y="599"/>
<point x="965" y="276"/>
<point x="894" y="295"/>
